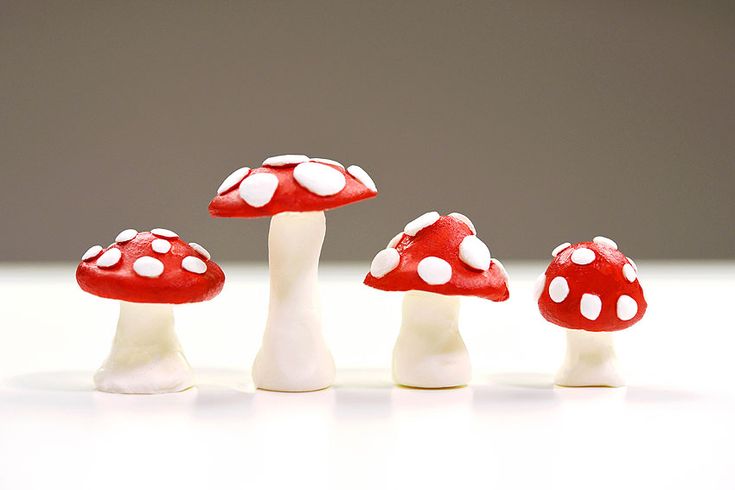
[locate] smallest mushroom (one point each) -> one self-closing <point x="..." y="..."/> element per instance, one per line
<point x="435" y="260"/>
<point x="148" y="272"/>
<point x="591" y="289"/>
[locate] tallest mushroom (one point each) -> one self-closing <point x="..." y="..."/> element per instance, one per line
<point x="294" y="190"/>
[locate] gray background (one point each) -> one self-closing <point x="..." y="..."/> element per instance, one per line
<point x="543" y="121"/>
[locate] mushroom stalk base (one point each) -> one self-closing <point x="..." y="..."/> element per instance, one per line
<point x="294" y="355"/>
<point x="146" y="357"/>
<point x="430" y="352"/>
<point x="590" y="361"/>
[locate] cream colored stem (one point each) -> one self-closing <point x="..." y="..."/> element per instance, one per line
<point x="146" y="356"/>
<point x="294" y="355"/>
<point x="590" y="360"/>
<point x="430" y="352"/>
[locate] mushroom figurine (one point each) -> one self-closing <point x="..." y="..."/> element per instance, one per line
<point x="148" y="272"/>
<point x="435" y="260"/>
<point x="592" y="290"/>
<point x="294" y="190"/>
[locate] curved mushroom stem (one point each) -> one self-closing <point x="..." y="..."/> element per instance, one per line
<point x="293" y="355"/>
<point x="430" y="352"/>
<point x="146" y="356"/>
<point x="590" y="361"/>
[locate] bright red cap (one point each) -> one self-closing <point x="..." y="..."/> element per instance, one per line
<point x="439" y="254"/>
<point x="591" y="286"/>
<point x="150" y="267"/>
<point x="290" y="183"/>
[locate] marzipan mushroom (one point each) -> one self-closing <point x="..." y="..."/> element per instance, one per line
<point x="148" y="272"/>
<point x="591" y="289"/>
<point x="295" y="191"/>
<point x="436" y="260"/>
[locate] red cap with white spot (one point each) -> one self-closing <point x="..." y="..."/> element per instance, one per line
<point x="439" y="254"/>
<point x="591" y="286"/>
<point x="150" y="267"/>
<point x="290" y="183"/>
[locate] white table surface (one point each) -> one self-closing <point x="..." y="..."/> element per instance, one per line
<point x="672" y="427"/>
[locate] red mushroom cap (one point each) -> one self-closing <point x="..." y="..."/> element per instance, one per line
<point x="591" y="286"/>
<point x="290" y="183"/>
<point x="150" y="267"/>
<point x="439" y="254"/>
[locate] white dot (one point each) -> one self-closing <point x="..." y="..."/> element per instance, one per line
<point x="583" y="256"/>
<point x="126" y="235"/>
<point x="320" y="179"/>
<point x="473" y="252"/>
<point x="362" y="176"/>
<point x="627" y="307"/>
<point x="605" y="242"/>
<point x="538" y="287"/>
<point x="560" y="248"/>
<point x="633" y="264"/>
<point x="161" y="246"/>
<point x="91" y="253"/>
<point x="394" y="241"/>
<point x="201" y="250"/>
<point x="194" y="264"/>
<point x="148" y="267"/>
<point x="464" y="219"/>
<point x="281" y="160"/>
<point x="385" y="261"/>
<point x="257" y="190"/>
<point x="500" y="266"/>
<point x="629" y="273"/>
<point x="109" y="258"/>
<point x="232" y="180"/>
<point x="327" y="161"/>
<point x="558" y="289"/>
<point x="590" y="306"/>
<point x="163" y="232"/>
<point x="434" y="271"/>
<point x="423" y="221"/>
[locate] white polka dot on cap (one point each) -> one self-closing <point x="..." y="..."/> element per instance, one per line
<point x="627" y="308"/>
<point x="559" y="248"/>
<point x="605" y="242"/>
<point x="322" y="180"/>
<point x="583" y="256"/>
<point x="194" y="264"/>
<point x="163" y="232"/>
<point x="148" y="267"/>
<point x="384" y="262"/>
<point x="281" y="160"/>
<point x="558" y="289"/>
<point x="464" y="219"/>
<point x="590" y="306"/>
<point x="434" y="271"/>
<point x="109" y="258"/>
<point x="232" y="180"/>
<point x="201" y="250"/>
<point x="423" y="221"/>
<point x="161" y="246"/>
<point x="92" y="252"/>
<point x="629" y="273"/>
<point x="257" y="190"/>
<point x="126" y="235"/>
<point x="474" y="253"/>
<point x="362" y="176"/>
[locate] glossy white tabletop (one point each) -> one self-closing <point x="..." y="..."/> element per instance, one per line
<point x="672" y="427"/>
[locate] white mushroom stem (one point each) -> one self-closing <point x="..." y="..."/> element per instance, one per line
<point x="430" y="352"/>
<point x="294" y="355"/>
<point x="590" y="360"/>
<point x="146" y="356"/>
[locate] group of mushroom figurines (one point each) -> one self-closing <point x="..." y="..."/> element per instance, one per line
<point x="590" y="288"/>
